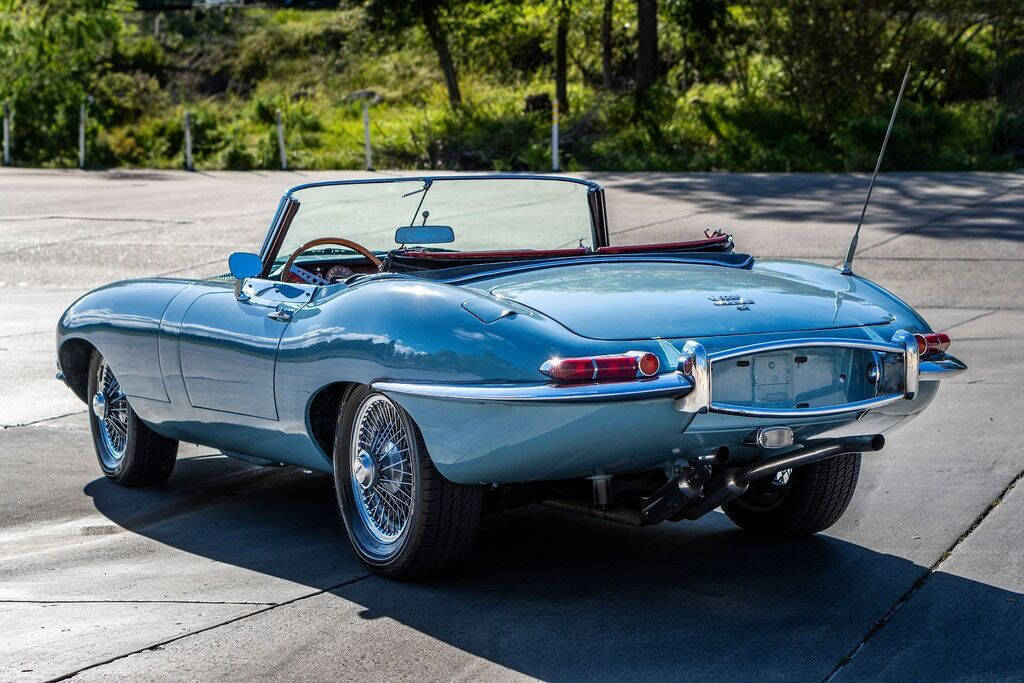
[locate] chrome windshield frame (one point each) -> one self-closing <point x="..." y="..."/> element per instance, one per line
<point x="289" y="204"/>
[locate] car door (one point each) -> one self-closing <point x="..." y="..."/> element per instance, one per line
<point x="228" y="345"/>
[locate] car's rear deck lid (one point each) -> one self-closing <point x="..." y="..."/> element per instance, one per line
<point x="654" y="299"/>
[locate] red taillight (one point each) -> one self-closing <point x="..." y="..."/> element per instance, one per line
<point x="935" y="342"/>
<point x="615" y="367"/>
<point x="648" y="364"/>
<point x="595" y="368"/>
<point x="570" y="369"/>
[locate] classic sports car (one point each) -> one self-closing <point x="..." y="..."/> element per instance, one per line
<point x="451" y="345"/>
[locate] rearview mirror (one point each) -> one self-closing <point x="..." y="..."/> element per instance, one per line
<point x="424" y="234"/>
<point x="243" y="265"/>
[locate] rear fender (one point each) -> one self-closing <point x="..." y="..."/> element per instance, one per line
<point x="122" y="321"/>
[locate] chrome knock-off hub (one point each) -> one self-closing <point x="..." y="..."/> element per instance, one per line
<point x="364" y="470"/>
<point x="100" y="407"/>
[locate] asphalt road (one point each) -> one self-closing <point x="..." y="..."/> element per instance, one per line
<point x="234" y="571"/>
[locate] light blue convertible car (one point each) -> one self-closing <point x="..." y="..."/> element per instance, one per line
<point x="448" y="346"/>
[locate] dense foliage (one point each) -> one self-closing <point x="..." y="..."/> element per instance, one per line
<point x="752" y="85"/>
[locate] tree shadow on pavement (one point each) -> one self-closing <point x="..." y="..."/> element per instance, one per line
<point x="941" y="206"/>
<point x="557" y="596"/>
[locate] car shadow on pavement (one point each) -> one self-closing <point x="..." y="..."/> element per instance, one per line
<point x="555" y="596"/>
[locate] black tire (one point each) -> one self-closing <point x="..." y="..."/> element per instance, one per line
<point x="144" y="457"/>
<point x="442" y="519"/>
<point x="813" y="499"/>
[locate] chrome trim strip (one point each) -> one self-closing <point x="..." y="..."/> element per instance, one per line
<point x="668" y="384"/>
<point x="750" y="411"/>
<point x="942" y="369"/>
<point x="808" y="343"/>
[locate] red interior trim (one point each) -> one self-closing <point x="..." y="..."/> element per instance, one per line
<point x="665" y="246"/>
<point x="511" y="253"/>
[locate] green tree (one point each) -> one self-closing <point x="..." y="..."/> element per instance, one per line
<point x="399" y="15"/>
<point x="647" y="62"/>
<point x="52" y="52"/>
<point x="561" y="60"/>
<point x="607" y="13"/>
<point x="712" y="42"/>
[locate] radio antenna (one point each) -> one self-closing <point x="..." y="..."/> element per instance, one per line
<point x="848" y="266"/>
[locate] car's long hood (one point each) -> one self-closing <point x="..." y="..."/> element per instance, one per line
<point x="646" y="300"/>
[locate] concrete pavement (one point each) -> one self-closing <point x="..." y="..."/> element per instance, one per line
<point x="232" y="570"/>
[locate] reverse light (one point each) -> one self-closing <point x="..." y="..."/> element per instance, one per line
<point x="935" y="342"/>
<point x="629" y="365"/>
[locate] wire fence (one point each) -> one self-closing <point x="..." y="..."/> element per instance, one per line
<point x="281" y="133"/>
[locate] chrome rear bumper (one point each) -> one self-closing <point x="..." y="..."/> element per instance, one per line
<point x="695" y="364"/>
<point x="691" y="383"/>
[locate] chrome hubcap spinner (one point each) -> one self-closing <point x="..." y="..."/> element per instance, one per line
<point x="364" y="470"/>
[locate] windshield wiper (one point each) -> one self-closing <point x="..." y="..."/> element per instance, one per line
<point x="426" y="187"/>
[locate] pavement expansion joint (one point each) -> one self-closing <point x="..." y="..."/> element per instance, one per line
<point x="168" y="641"/>
<point x="920" y="581"/>
<point x="40" y="420"/>
<point x="105" y="219"/>
<point x="970" y="320"/>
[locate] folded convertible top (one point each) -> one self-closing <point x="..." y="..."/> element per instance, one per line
<point x="717" y="243"/>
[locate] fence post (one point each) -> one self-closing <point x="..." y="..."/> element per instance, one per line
<point x="280" y="141"/>
<point x="366" y="135"/>
<point x="554" y="134"/>
<point x="189" y="166"/>
<point x="81" y="134"/>
<point x="7" y="135"/>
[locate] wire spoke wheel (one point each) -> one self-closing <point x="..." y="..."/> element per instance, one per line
<point x="383" y="486"/>
<point x="110" y="405"/>
<point x="403" y="518"/>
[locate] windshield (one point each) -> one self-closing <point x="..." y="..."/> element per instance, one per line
<point x="483" y="214"/>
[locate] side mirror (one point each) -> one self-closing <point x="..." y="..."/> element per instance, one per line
<point x="243" y="265"/>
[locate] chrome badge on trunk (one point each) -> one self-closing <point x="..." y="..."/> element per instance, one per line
<point x="741" y="303"/>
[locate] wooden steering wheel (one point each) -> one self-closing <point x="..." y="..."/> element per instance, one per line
<point x="340" y="241"/>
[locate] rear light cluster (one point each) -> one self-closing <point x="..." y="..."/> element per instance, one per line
<point x="629" y="365"/>
<point x="936" y="342"/>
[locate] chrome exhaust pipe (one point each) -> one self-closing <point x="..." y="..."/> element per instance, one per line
<point x="811" y="453"/>
<point x="691" y="494"/>
<point x="734" y="482"/>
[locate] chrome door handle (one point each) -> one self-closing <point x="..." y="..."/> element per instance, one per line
<point x="281" y="314"/>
